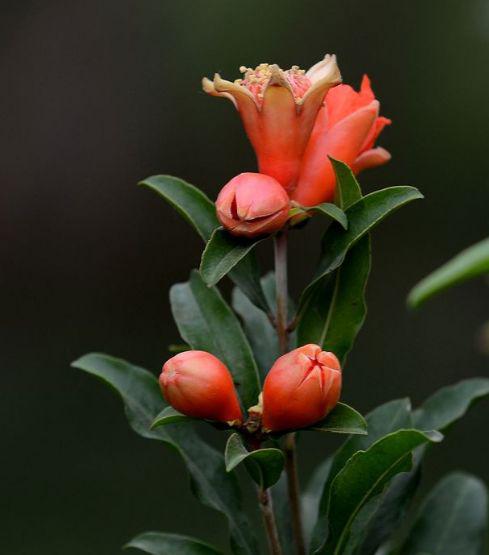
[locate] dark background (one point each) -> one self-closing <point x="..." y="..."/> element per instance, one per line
<point x="97" y="94"/>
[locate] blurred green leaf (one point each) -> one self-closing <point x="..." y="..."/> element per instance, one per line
<point x="383" y="420"/>
<point x="332" y="211"/>
<point x="169" y="416"/>
<point x="311" y="495"/>
<point x="470" y="263"/>
<point x="142" y="399"/>
<point x="197" y="209"/>
<point x="188" y="200"/>
<point x="221" y="254"/>
<point x="159" y="543"/>
<point x="206" y="323"/>
<point x="362" y="216"/>
<point x="264" y="465"/>
<point x="343" y="419"/>
<point x="365" y="476"/>
<point x="336" y="308"/>
<point x="452" y="520"/>
<point x="283" y="516"/>
<point x="449" y="404"/>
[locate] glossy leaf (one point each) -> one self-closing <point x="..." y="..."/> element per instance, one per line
<point x="197" y="209"/>
<point x="206" y="323"/>
<point x="336" y="308"/>
<point x="264" y="465"/>
<point x="452" y="520"/>
<point x="449" y="404"/>
<point x="221" y="254"/>
<point x="343" y="419"/>
<point x="160" y="543"/>
<point x="188" y="200"/>
<point x="470" y="263"/>
<point x="347" y="190"/>
<point x="332" y="211"/>
<point x="142" y="399"/>
<point x="362" y="216"/>
<point x="364" y="477"/>
<point x="383" y="420"/>
<point x="169" y="416"/>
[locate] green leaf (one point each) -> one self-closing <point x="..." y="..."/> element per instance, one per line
<point x="336" y="308"/>
<point x="383" y="420"/>
<point x="311" y="496"/>
<point x="362" y="216"/>
<point x="347" y="190"/>
<point x="452" y="520"/>
<point x="470" y="263"/>
<point x="190" y="202"/>
<point x="169" y="416"/>
<point x="159" y="543"/>
<point x="222" y="253"/>
<point x="365" y="476"/>
<point x="200" y="212"/>
<point x="283" y="516"/>
<point x="343" y="419"/>
<point x="449" y="404"/>
<point x="206" y="323"/>
<point x="332" y="211"/>
<point x="264" y="465"/>
<point x="257" y="326"/>
<point x="142" y="399"/>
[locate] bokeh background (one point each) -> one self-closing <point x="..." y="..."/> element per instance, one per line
<point x="96" y="95"/>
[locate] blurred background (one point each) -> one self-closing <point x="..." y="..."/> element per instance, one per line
<point x="96" y="95"/>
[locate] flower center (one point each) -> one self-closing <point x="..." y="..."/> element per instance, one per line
<point x="256" y="80"/>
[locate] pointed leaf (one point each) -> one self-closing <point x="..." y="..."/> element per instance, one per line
<point x="169" y="416"/>
<point x="449" y="404"/>
<point x="206" y="323"/>
<point x="470" y="263"/>
<point x="332" y="211"/>
<point x="365" y="476"/>
<point x="221" y="254"/>
<point x="336" y="308"/>
<point x="264" y="465"/>
<point x="142" y="399"/>
<point x="383" y="420"/>
<point x="188" y="200"/>
<point x="343" y="419"/>
<point x="362" y="216"/>
<point x="159" y="543"/>
<point x="452" y="520"/>
<point x="197" y="209"/>
<point x="347" y="190"/>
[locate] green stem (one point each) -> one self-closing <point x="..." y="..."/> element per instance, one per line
<point x="281" y="325"/>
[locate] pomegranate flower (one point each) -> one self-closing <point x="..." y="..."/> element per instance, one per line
<point x="295" y="119"/>
<point x="302" y="387"/>
<point x="252" y="204"/>
<point x="278" y="109"/>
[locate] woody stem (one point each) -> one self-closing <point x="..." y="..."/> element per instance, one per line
<point x="266" y="507"/>
<point x="281" y="325"/>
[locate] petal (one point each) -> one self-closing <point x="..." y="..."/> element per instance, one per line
<point x="370" y="159"/>
<point x="321" y="69"/>
<point x="343" y="141"/>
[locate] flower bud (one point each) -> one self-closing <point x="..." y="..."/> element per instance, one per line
<point x="199" y="385"/>
<point x="252" y="204"/>
<point x="300" y="389"/>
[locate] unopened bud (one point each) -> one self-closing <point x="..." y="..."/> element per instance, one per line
<point x="252" y="204"/>
<point x="300" y="389"/>
<point x="199" y="385"/>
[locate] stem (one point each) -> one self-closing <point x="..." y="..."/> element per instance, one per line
<point x="265" y="501"/>
<point x="294" y="492"/>
<point x="282" y="327"/>
<point x="280" y="245"/>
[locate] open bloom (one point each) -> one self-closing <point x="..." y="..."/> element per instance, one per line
<point x="295" y="119"/>
<point x="300" y="389"/>
<point x="198" y="384"/>
<point x="278" y="109"/>
<point x="252" y="204"/>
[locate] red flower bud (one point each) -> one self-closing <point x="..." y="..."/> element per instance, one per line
<point x="300" y="389"/>
<point x="252" y="204"/>
<point x="198" y="384"/>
